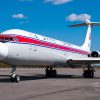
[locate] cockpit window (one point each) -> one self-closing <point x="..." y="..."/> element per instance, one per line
<point x="11" y="39"/>
<point x="2" y="38"/>
<point x="8" y="39"/>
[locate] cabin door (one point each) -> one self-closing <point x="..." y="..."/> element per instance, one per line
<point x="33" y="48"/>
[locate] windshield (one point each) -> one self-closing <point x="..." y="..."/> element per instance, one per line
<point x="7" y="39"/>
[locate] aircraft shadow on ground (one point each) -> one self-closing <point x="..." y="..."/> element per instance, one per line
<point x="6" y="78"/>
<point x="41" y="76"/>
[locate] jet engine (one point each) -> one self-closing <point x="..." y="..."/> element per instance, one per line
<point x="94" y="54"/>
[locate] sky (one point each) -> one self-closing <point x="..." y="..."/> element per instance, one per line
<point x="51" y="18"/>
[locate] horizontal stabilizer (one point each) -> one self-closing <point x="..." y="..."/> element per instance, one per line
<point x="86" y="24"/>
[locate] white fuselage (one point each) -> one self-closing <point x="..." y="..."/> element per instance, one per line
<point x="32" y="49"/>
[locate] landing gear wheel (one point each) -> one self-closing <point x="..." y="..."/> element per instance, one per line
<point x="12" y="79"/>
<point x="88" y="73"/>
<point x="54" y="73"/>
<point x="50" y="72"/>
<point x="15" y="78"/>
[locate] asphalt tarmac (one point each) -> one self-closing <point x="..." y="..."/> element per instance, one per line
<point x="69" y="85"/>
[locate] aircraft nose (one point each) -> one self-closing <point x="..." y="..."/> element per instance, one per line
<point x="3" y="51"/>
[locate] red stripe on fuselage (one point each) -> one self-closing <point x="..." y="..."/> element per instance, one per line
<point x="50" y="45"/>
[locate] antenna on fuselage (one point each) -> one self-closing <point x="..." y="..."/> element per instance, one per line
<point x="87" y="43"/>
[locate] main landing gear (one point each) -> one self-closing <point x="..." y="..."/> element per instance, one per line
<point x="88" y="71"/>
<point x="14" y="77"/>
<point x="51" y="72"/>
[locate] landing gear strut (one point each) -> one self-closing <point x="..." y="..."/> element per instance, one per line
<point x="51" y="72"/>
<point x="14" y="77"/>
<point x="88" y="72"/>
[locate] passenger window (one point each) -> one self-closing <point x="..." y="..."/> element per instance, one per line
<point x="36" y="37"/>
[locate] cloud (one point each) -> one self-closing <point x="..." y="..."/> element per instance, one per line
<point x="57" y="2"/>
<point x="81" y="17"/>
<point x="19" y="16"/>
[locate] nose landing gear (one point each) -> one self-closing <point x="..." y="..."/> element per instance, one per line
<point x="14" y="77"/>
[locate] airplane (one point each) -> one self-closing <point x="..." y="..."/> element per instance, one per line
<point x="22" y="48"/>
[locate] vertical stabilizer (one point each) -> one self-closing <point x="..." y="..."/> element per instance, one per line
<point x="87" y="43"/>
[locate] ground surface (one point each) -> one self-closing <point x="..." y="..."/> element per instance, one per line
<point x="69" y="85"/>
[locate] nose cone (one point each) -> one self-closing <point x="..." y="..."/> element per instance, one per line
<point x="3" y="51"/>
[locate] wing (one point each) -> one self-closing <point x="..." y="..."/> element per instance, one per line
<point x="84" y="61"/>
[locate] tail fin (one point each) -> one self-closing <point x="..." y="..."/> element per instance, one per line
<point x="87" y="43"/>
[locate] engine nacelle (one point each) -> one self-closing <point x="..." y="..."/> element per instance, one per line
<point x="94" y="54"/>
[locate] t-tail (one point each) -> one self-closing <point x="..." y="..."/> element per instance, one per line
<point x="87" y="43"/>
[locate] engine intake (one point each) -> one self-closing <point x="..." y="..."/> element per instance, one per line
<point x="94" y="54"/>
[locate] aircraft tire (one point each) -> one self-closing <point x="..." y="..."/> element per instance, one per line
<point x="88" y="74"/>
<point x="12" y="79"/>
<point x="17" y="78"/>
<point x="54" y="73"/>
